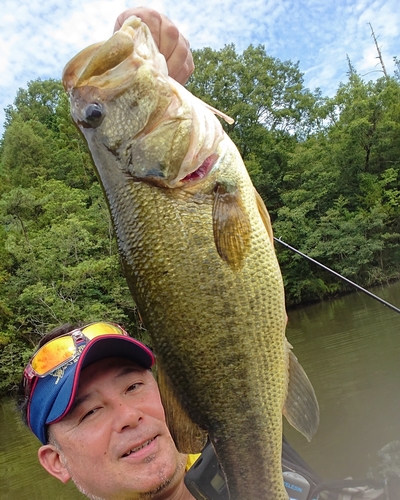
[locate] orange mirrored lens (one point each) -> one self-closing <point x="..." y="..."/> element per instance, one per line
<point x="53" y="354"/>
<point x="59" y="350"/>
<point x="97" y="329"/>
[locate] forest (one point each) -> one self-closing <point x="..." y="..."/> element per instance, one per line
<point x="328" y="169"/>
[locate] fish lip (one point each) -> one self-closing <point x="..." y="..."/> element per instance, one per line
<point x="137" y="446"/>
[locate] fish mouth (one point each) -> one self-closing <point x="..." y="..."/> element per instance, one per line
<point x="138" y="448"/>
<point x="108" y="65"/>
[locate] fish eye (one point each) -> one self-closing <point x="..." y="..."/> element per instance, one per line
<point x="94" y="115"/>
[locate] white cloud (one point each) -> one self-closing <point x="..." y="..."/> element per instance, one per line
<point x="38" y="37"/>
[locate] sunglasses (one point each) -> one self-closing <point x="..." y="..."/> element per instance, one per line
<point x="63" y="350"/>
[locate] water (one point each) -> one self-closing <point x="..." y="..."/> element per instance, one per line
<point x="350" y="348"/>
<point x="21" y="476"/>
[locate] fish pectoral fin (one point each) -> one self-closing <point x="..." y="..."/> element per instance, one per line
<point x="188" y="437"/>
<point x="264" y="216"/>
<point x="301" y="407"/>
<point x="231" y="225"/>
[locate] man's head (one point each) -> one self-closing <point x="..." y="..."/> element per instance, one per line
<point x="52" y="376"/>
<point x="99" y="414"/>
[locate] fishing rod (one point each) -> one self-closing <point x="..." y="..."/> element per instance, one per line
<point x="379" y="299"/>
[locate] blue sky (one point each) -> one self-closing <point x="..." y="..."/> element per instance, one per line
<point x="38" y="37"/>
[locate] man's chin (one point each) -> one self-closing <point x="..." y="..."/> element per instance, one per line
<point x="171" y="482"/>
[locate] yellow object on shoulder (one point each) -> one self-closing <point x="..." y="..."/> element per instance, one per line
<point x="191" y="460"/>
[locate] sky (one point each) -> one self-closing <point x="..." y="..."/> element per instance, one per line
<point x="38" y="37"/>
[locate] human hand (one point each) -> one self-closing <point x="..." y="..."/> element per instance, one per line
<point x="171" y="43"/>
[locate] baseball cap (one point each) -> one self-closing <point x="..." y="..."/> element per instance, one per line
<point x="51" y="396"/>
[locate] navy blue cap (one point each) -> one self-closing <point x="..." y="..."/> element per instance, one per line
<point x="52" y="396"/>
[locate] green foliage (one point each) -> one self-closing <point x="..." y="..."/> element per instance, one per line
<point x="60" y="241"/>
<point x="12" y="357"/>
<point x="328" y="170"/>
<point x="397" y="70"/>
<point x="38" y="102"/>
<point x="345" y="179"/>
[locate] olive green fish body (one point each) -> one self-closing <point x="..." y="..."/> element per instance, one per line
<point x="219" y="332"/>
<point x="197" y="253"/>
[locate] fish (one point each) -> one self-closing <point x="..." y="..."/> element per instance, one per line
<point x="196" y="246"/>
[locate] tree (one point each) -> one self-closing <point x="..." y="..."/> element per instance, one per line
<point x="328" y="169"/>
<point x="65" y="265"/>
<point x="344" y="180"/>
<point x="37" y="102"/>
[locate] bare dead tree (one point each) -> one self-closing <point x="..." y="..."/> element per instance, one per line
<point x="379" y="51"/>
<point x="352" y="70"/>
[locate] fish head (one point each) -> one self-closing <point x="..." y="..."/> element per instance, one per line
<point x="120" y="94"/>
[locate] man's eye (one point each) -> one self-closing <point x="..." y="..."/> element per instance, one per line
<point x="133" y="387"/>
<point x="89" y="413"/>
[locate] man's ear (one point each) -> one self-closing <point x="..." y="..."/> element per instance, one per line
<point x="51" y="460"/>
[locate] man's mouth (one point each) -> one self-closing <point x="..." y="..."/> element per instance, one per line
<point x="134" y="450"/>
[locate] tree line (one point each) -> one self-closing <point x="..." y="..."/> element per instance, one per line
<point x="327" y="168"/>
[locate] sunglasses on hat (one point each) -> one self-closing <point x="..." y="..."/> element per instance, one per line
<point x="64" y="349"/>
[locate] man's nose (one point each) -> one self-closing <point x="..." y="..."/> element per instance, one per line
<point x="126" y="416"/>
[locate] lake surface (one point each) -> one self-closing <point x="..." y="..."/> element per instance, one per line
<point x="350" y="349"/>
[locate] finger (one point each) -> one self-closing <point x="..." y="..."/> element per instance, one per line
<point x="170" y="38"/>
<point x="183" y="74"/>
<point x="180" y="63"/>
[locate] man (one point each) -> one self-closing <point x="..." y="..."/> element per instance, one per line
<point x="89" y="396"/>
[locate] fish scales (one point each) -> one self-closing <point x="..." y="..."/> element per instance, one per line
<point x="197" y="254"/>
<point x="232" y="314"/>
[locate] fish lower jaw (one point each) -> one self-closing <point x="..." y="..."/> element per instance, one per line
<point x="134" y="450"/>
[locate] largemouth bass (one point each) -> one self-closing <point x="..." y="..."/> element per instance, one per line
<point x="196" y="245"/>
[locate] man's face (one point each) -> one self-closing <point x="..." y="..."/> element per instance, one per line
<point x="114" y="442"/>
